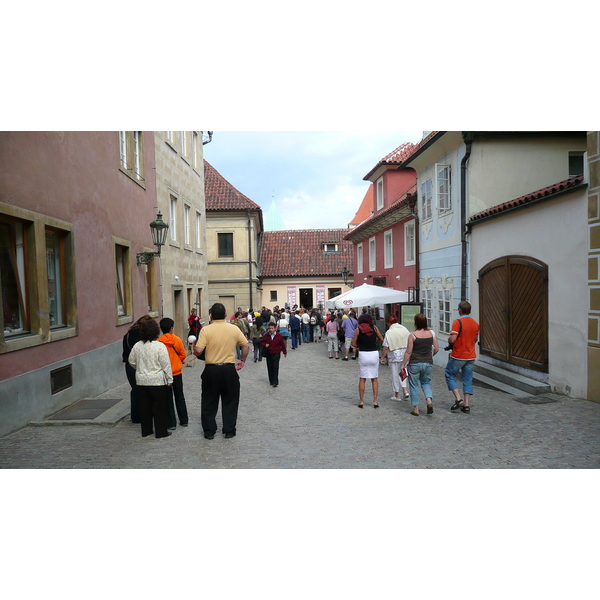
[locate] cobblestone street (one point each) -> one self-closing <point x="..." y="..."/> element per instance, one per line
<point x="311" y="421"/>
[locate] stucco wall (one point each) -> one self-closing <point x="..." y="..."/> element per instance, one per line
<point x="552" y="233"/>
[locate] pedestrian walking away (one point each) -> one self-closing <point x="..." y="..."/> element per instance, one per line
<point x="256" y="332"/>
<point x="220" y="379"/>
<point x="462" y="341"/>
<point x="295" y="325"/>
<point x="275" y="345"/>
<point x="153" y="376"/>
<point x="332" y="329"/>
<point x="349" y="326"/>
<point x="177" y="355"/>
<point x="422" y="347"/>
<point x="365" y="339"/>
<point x="394" y="346"/>
<point x="130" y="339"/>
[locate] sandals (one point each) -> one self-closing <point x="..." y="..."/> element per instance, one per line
<point x="361" y="406"/>
<point x="465" y="409"/>
<point x="412" y="412"/>
<point x="430" y="409"/>
<point x="456" y="405"/>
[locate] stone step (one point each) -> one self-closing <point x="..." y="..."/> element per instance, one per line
<point x="498" y="385"/>
<point x="514" y="380"/>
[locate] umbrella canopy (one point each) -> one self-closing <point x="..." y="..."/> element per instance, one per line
<point x="367" y="295"/>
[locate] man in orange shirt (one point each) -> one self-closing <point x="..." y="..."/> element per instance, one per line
<point x="463" y="337"/>
<point x="177" y="354"/>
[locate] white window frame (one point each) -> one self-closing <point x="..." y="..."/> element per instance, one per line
<point x="410" y="246"/>
<point x="170" y="136"/>
<point x="379" y="193"/>
<point x="372" y="254"/>
<point x="330" y="247"/>
<point x="123" y="148"/>
<point x="198" y="230"/>
<point x="186" y="224"/>
<point x="388" y="249"/>
<point x="444" y="301"/>
<point x="195" y="149"/>
<point x="443" y="188"/>
<point x="173" y="218"/>
<point x="137" y="136"/>
<point x="427" y="300"/>
<point x="426" y="198"/>
<point x="359" y="258"/>
<point x="183" y="143"/>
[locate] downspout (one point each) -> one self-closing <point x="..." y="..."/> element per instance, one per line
<point x="468" y="139"/>
<point x="250" y="256"/>
<point x="414" y="214"/>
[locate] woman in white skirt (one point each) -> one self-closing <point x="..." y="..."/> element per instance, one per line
<point x="365" y="339"/>
<point x="394" y="347"/>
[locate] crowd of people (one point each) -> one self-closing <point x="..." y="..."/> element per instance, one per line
<point x="153" y="362"/>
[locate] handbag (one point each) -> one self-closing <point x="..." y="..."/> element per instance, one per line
<point x="264" y="352"/>
<point x="403" y="374"/>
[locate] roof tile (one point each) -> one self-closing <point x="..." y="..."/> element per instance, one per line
<point x="221" y="195"/>
<point x="299" y="253"/>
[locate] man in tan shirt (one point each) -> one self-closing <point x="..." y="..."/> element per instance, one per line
<point x="220" y="378"/>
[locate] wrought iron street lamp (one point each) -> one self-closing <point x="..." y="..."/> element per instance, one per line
<point x="159" y="236"/>
<point x="345" y="274"/>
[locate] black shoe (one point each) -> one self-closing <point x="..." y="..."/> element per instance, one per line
<point x="210" y="436"/>
<point x="173" y="428"/>
<point x="166" y="435"/>
<point x="345" y="358"/>
<point x="184" y="424"/>
<point x="229" y="435"/>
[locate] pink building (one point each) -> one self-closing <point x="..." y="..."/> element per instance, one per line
<point x="75" y="209"/>
<point x="384" y="241"/>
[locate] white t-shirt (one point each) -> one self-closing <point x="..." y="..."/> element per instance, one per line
<point x="306" y="318"/>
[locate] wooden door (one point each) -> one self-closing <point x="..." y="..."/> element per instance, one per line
<point x="513" y="296"/>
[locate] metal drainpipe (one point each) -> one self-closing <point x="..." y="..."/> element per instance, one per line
<point x="249" y="256"/>
<point x="468" y="139"/>
<point x="415" y="215"/>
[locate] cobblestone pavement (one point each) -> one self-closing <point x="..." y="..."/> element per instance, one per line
<point x="312" y="421"/>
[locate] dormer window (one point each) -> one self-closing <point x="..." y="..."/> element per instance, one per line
<point x="380" y="193"/>
<point x="330" y="247"/>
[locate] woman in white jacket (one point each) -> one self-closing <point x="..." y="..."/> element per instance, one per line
<point x="153" y="376"/>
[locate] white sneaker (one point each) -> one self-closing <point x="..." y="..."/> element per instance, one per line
<point x="394" y="398"/>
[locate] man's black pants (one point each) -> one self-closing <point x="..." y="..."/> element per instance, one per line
<point x="219" y="381"/>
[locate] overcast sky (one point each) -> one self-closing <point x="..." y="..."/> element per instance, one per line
<point x="316" y="178"/>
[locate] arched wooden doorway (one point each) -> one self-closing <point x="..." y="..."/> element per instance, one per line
<point x="513" y="311"/>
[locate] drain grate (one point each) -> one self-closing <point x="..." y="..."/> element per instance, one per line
<point x="535" y="400"/>
<point x="84" y="409"/>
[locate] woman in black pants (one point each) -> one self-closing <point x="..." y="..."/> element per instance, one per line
<point x="153" y="376"/>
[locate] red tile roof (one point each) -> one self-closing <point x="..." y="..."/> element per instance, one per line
<point x="547" y="192"/>
<point x="299" y="253"/>
<point x="366" y="207"/>
<point x="221" y="195"/>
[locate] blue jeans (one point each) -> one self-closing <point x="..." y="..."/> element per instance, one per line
<point x="306" y="332"/>
<point x="453" y="367"/>
<point x="419" y="372"/>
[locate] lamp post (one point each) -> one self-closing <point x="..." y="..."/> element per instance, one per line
<point x="159" y="235"/>
<point x="345" y="274"/>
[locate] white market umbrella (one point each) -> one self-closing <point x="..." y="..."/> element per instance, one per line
<point x="367" y="295"/>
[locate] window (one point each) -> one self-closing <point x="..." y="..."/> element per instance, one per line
<point x="13" y="260"/>
<point x="183" y="143"/>
<point x="444" y="311"/>
<point x="273" y="295"/>
<point x="170" y="136"/>
<point x="225" y="245"/>
<point x="195" y="149"/>
<point x="122" y="297"/>
<point x="186" y="224"/>
<point x="198" y="230"/>
<point x="380" y="193"/>
<point x="173" y="217"/>
<point x="37" y="274"/>
<point x="388" y="250"/>
<point x="575" y="163"/>
<point x="131" y="154"/>
<point x="444" y="188"/>
<point x="372" y="257"/>
<point x="427" y="298"/>
<point x="330" y="247"/>
<point x="55" y="259"/>
<point x="426" y="200"/>
<point x="409" y="243"/>
<point x="151" y="286"/>
<point x="359" y="258"/>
